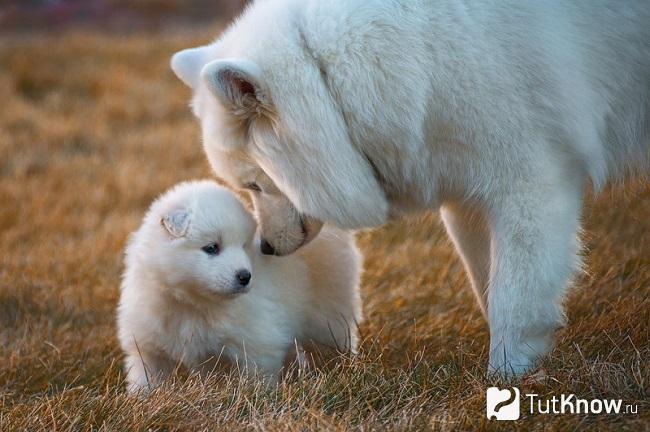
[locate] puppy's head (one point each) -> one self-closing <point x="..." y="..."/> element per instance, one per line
<point x="200" y="240"/>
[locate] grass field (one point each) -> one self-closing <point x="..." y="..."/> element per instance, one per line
<point x="93" y="127"/>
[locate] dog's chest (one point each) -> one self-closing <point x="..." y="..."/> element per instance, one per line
<point x="194" y="341"/>
<point x="228" y="337"/>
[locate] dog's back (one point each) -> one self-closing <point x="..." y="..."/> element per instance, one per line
<point x="511" y="76"/>
<point x="609" y="82"/>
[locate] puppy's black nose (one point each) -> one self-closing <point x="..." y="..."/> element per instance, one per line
<point x="243" y="277"/>
<point x="266" y="247"/>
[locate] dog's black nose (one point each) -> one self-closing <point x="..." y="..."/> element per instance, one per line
<point x="243" y="277"/>
<point x="266" y="247"/>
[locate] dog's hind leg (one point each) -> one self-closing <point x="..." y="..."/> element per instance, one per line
<point x="468" y="229"/>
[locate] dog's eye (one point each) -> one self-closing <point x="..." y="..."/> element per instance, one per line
<point x="211" y="249"/>
<point x="253" y="186"/>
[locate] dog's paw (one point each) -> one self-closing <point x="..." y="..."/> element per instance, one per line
<point x="513" y="362"/>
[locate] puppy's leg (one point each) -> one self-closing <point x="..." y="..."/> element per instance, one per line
<point x="145" y="370"/>
<point x="296" y="357"/>
<point x="213" y="365"/>
<point x="266" y="363"/>
<point x="470" y="233"/>
<point x="533" y="253"/>
<point x="296" y="361"/>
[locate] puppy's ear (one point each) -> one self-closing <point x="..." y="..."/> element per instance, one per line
<point x="176" y="222"/>
<point x="237" y="83"/>
<point x="187" y="65"/>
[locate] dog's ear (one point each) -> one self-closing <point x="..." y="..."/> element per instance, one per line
<point x="176" y="222"/>
<point x="187" y="64"/>
<point x="237" y="83"/>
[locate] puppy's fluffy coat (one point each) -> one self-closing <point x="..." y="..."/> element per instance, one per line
<point x="184" y="299"/>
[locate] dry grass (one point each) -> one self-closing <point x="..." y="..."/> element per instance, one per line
<point x="92" y="128"/>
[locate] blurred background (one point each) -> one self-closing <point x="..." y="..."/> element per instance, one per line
<point x="116" y="15"/>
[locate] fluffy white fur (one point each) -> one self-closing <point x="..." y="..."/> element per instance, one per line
<point x="497" y="112"/>
<point x="180" y="305"/>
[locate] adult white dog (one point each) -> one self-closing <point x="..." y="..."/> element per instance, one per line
<point x="498" y="112"/>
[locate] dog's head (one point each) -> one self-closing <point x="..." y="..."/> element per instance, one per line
<point x="199" y="241"/>
<point x="283" y="228"/>
<point x="275" y="113"/>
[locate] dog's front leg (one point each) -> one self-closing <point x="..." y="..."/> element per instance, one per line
<point x="533" y="253"/>
<point x="146" y="369"/>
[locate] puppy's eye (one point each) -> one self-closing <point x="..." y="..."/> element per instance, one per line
<point x="211" y="249"/>
<point x="253" y="186"/>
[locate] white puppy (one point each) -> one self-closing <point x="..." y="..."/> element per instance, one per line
<point x="196" y="291"/>
<point x="497" y="112"/>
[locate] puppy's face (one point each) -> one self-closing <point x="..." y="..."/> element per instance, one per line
<point x="205" y="245"/>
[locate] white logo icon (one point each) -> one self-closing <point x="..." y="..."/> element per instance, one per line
<point x="502" y="404"/>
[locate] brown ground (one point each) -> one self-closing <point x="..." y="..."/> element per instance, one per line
<point x="93" y="127"/>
